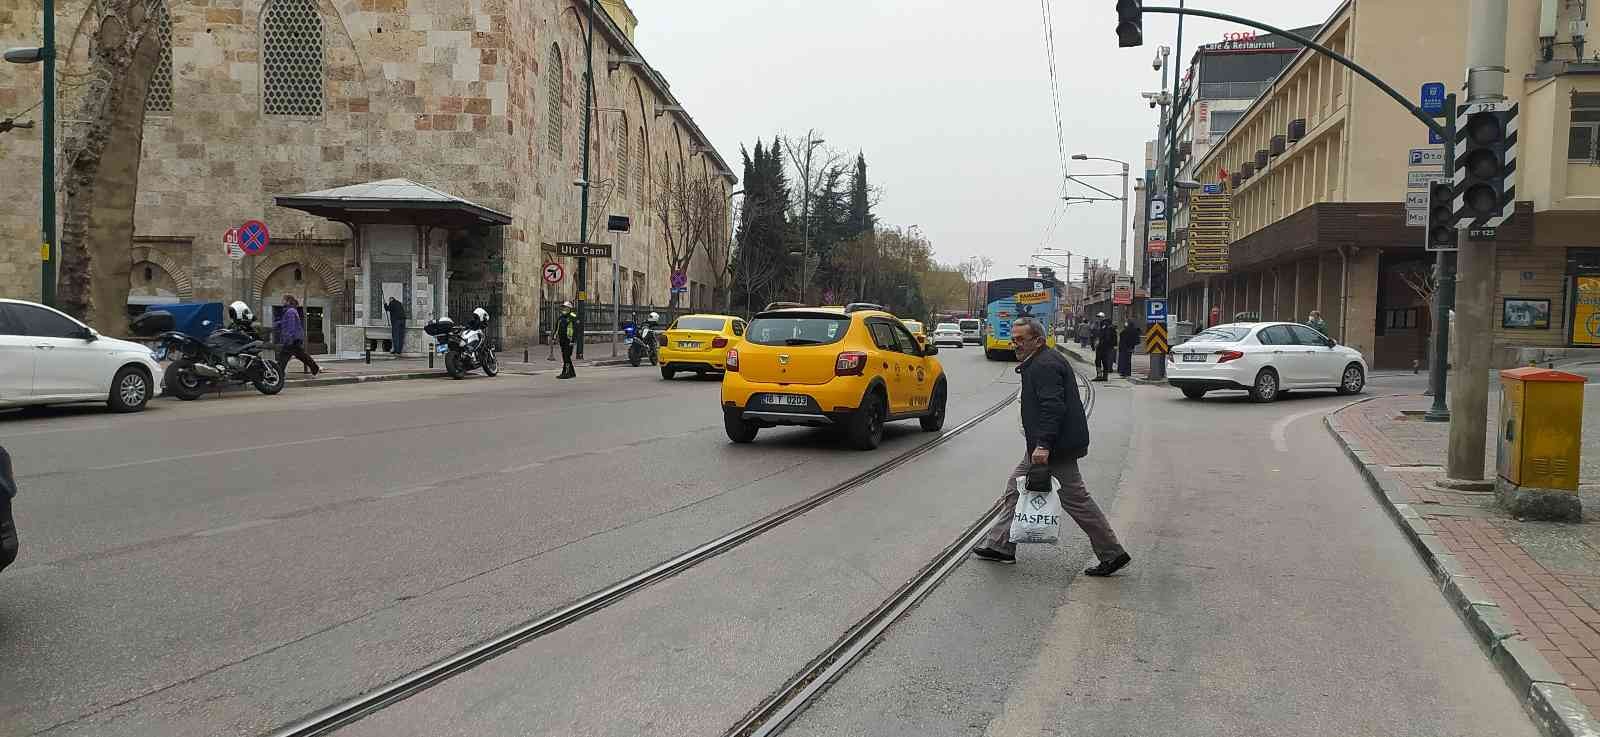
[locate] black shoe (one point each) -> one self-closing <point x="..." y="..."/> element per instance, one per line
<point x="1108" y="567"/>
<point x="994" y="556"/>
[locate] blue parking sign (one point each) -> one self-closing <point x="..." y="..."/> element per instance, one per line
<point x="1155" y="310"/>
<point x="1432" y="98"/>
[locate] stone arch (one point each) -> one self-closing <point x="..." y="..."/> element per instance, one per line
<point x="332" y="279"/>
<point x="180" y="275"/>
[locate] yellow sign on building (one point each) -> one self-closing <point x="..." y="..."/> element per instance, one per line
<point x="1033" y="298"/>
<point x="1210" y="233"/>
<point x="1586" y="312"/>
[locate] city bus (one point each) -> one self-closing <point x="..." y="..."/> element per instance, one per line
<point x="1010" y="299"/>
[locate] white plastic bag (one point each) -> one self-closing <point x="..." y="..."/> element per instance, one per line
<point x="1037" y="516"/>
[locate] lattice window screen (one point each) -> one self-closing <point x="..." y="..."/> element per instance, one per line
<point x="291" y="58"/>
<point x="553" y="84"/>
<point x="623" y="148"/>
<point x="158" y="98"/>
<point x="640" y="175"/>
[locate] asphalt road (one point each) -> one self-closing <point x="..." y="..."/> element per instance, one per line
<point x="228" y="565"/>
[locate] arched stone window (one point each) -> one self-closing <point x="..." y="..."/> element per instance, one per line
<point x="553" y="90"/>
<point x="623" y="149"/>
<point x="291" y="58"/>
<point x="158" y="98"/>
<point x="641" y="171"/>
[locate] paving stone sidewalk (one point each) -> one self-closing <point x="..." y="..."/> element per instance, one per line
<point x="1544" y="576"/>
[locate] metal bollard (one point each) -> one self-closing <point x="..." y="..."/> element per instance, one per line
<point x="369" y="351"/>
<point x="430" y="358"/>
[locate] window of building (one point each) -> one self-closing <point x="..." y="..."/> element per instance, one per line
<point x="291" y="58"/>
<point x="623" y="149"/>
<point x="641" y="173"/>
<point x="553" y="91"/>
<point x="158" y="98"/>
<point x="1223" y="121"/>
<point x="1584" y="131"/>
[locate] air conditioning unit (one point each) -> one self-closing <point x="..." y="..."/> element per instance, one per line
<point x="1297" y="130"/>
<point x="1261" y="159"/>
<point x="1248" y="169"/>
<point x="1235" y="178"/>
<point x="1279" y="145"/>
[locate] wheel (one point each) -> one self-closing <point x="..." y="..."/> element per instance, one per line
<point x="182" y="381"/>
<point x="1194" y="392"/>
<point x="865" y="430"/>
<point x="130" y="390"/>
<point x="934" y="420"/>
<point x="452" y="365"/>
<point x="271" y="381"/>
<point x="655" y="358"/>
<point x="739" y="429"/>
<point x="1353" y="380"/>
<point x="667" y="374"/>
<point x="491" y="365"/>
<point x="1265" y="388"/>
<point x="633" y="356"/>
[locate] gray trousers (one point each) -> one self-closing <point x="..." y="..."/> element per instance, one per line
<point x="1075" y="501"/>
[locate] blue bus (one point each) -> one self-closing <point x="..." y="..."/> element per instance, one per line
<point x="1010" y="299"/>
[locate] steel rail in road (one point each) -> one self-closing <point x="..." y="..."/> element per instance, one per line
<point x="354" y="709"/>
<point x="780" y="709"/>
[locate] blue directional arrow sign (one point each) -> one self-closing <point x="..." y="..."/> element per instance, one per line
<point x="1155" y="310"/>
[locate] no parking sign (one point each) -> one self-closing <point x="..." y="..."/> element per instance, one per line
<point x="253" y="237"/>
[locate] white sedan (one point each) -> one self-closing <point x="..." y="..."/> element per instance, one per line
<point x="1265" y="359"/>
<point x="47" y="357"/>
<point x="948" y="333"/>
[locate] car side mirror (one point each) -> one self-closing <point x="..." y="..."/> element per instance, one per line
<point x="930" y="350"/>
<point x="1331" y="343"/>
<point x="88" y="335"/>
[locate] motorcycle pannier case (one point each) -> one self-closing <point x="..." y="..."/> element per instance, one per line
<point x="152" y="323"/>
<point x="439" y="327"/>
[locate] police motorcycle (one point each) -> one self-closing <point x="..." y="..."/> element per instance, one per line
<point x="641" y="340"/>
<point x="230" y="355"/>
<point x="465" y="346"/>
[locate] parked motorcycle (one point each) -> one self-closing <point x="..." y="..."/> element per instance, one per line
<point x="231" y="355"/>
<point x="464" y="346"/>
<point x="641" y="341"/>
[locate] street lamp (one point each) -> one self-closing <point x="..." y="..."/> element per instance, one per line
<point x="1122" y="261"/>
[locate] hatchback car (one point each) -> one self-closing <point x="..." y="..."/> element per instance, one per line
<point x="852" y="369"/>
<point x="698" y="343"/>
<point x="948" y="333"/>
<point x="1264" y="359"/>
<point x="47" y="357"/>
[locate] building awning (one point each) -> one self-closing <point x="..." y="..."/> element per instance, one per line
<point x="393" y="202"/>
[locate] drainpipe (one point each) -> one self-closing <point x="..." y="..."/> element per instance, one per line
<point x="1344" y="294"/>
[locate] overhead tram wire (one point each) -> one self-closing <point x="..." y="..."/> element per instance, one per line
<point x="1055" y="85"/>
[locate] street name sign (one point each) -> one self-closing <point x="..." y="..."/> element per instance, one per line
<point x="1421" y="179"/>
<point x="1428" y="158"/>
<point x="1417" y="218"/>
<point x="585" y="250"/>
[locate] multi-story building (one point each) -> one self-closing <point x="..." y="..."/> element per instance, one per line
<point x="307" y="100"/>
<point x="1318" y="172"/>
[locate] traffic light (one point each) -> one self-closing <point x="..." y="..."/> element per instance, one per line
<point x="1441" y="228"/>
<point x="1130" y="23"/>
<point x="1485" y="168"/>
<point x="1158" y="278"/>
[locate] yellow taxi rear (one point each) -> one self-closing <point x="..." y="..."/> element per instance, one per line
<point x="851" y="369"/>
<point x="699" y="343"/>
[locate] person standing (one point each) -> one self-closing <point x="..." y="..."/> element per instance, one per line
<point x="1105" y="348"/>
<point x="1057" y="433"/>
<point x="1315" y="322"/>
<point x="397" y="325"/>
<point x="566" y="333"/>
<point x="291" y="329"/>
<point x="1084" y="333"/>
<point x="1128" y="341"/>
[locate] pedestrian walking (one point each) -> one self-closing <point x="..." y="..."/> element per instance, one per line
<point x="291" y="329"/>
<point x="397" y="325"/>
<point x="1315" y="322"/>
<point x="1057" y="434"/>
<point x="1105" y="348"/>
<point x="1084" y="333"/>
<point x="1128" y="341"/>
<point x="566" y="333"/>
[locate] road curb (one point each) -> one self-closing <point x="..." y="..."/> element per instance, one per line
<point x="1540" y="688"/>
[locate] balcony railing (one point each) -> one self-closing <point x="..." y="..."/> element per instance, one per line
<point x="1232" y="90"/>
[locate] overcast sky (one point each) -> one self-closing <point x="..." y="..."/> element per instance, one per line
<point x="950" y="101"/>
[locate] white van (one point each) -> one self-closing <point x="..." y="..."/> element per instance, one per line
<point x="971" y="330"/>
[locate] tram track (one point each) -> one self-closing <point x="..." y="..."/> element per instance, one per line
<point x="354" y="709"/>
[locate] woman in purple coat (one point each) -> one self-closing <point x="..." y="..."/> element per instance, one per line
<point x="291" y="327"/>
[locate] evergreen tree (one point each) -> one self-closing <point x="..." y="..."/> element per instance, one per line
<point x="861" y="218"/>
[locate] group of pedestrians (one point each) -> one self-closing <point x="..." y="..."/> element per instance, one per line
<point x="1113" y="350"/>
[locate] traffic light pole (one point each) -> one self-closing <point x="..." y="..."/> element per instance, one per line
<point x="1444" y="292"/>
<point x="49" y="251"/>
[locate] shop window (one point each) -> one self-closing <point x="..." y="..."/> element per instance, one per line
<point x="291" y="58"/>
<point x="1584" y="131"/>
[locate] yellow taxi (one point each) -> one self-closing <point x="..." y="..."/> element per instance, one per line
<point x="917" y="331"/>
<point x="698" y="343"/>
<point x="854" y="369"/>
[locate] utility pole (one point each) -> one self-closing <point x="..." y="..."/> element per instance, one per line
<point x="583" y="210"/>
<point x="1469" y="404"/>
<point x="1444" y="292"/>
<point x="49" y="252"/>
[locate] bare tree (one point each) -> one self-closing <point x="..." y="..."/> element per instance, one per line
<point x="809" y="166"/>
<point x="101" y="152"/>
<point x="1422" y="280"/>
<point x="689" y="211"/>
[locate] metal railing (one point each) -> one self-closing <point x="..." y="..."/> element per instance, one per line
<point x="1232" y="90"/>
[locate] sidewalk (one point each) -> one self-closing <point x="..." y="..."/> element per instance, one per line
<point x="1530" y="590"/>
<point x="1141" y="362"/>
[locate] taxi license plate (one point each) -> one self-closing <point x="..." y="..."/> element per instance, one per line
<point x="786" y="400"/>
<point x="1194" y="357"/>
<point x="688" y="344"/>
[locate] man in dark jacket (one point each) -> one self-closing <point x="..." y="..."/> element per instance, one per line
<point x="1057" y="433"/>
<point x="1125" y="346"/>
<point x="1105" y="348"/>
<point x="397" y="325"/>
<point x="566" y="334"/>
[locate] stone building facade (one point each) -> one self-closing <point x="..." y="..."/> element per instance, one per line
<point x="482" y="99"/>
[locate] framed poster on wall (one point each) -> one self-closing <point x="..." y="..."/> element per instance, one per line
<point x="1585" y="310"/>
<point x="1525" y="314"/>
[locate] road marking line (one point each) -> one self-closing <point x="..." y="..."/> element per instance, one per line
<point x="235" y="528"/>
<point x="523" y="467"/>
<point x="1279" y="428"/>
<point x="208" y="454"/>
<point x="407" y="491"/>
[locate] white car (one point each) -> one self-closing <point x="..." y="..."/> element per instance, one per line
<point x="47" y="357"/>
<point x="1265" y="359"/>
<point x="972" y="330"/>
<point x="948" y="333"/>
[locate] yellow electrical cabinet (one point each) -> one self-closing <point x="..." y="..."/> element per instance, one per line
<point x="1541" y="428"/>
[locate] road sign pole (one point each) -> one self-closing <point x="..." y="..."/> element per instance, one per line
<point x="1444" y="293"/>
<point x="616" y="299"/>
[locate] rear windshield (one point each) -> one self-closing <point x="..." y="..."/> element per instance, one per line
<point x="969" y="324"/>
<point x="698" y="323"/>
<point x="1221" y="335"/>
<point x="797" y="330"/>
<point x="912" y="325"/>
<point x="946" y="326"/>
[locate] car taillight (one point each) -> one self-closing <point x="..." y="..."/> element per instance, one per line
<point x="850" y="363"/>
<point x="1170" y="358"/>
<point x="733" y="359"/>
<point x="719" y="342"/>
<point x="662" y="339"/>
<point x="1226" y="356"/>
